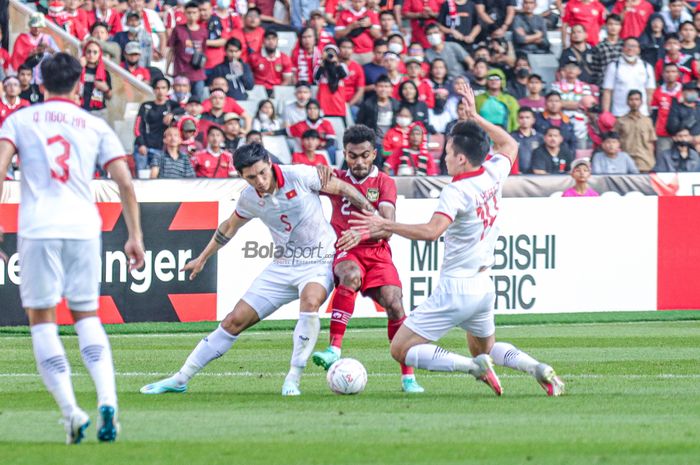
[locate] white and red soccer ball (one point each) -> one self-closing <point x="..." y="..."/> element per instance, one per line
<point x="347" y="376"/>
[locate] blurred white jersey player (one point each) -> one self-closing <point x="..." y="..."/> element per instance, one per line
<point x="468" y="215"/>
<point x="286" y="199"/>
<point x="59" y="145"/>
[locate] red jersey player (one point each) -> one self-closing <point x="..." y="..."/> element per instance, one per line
<point x="363" y="262"/>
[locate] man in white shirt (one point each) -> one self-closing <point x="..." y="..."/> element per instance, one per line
<point x="286" y="199"/>
<point x="59" y="235"/>
<point x="467" y="213"/>
<point x="628" y="72"/>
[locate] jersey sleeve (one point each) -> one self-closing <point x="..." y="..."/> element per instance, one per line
<point x="110" y="147"/>
<point x="309" y="178"/>
<point x="501" y="165"/>
<point x="8" y="131"/>
<point x="451" y="202"/>
<point x="387" y="191"/>
<point x="244" y="208"/>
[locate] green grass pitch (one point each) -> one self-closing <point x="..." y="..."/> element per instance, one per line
<point x="633" y="398"/>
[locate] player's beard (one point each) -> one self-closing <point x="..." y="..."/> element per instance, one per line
<point x="360" y="173"/>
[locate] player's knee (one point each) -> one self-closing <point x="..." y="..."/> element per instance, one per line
<point x="234" y="323"/>
<point x="351" y="279"/>
<point x="394" y="308"/>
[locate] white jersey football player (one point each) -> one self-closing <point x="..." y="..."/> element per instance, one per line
<point x="286" y="199"/>
<point x="467" y="213"/>
<point x="59" y="145"/>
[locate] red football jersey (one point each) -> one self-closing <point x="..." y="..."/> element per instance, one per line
<point x="377" y="187"/>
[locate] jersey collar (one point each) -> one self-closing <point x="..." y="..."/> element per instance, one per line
<point x="373" y="173"/>
<point x="469" y="174"/>
<point x="278" y="175"/>
<point x="61" y="99"/>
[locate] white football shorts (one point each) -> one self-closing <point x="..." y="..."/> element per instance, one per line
<point x="456" y="302"/>
<point x="54" y="268"/>
<point x="278" y="285"/>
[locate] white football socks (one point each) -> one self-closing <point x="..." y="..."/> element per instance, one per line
<point x="434" y="358"/>
<point x="211" y="347"/>
<point x="304" y="338"/>
<point x="53" y="366"/>
<point x="97" y="357"/>
<point x="507" y="355"/>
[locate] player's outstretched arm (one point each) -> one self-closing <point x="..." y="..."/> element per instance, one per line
<point x="337" y="187"/>
<point x="119" y="172"/>
<point x="224" y="233"/>
<point x="373" y="224"/>
<point x="502" y="141"/>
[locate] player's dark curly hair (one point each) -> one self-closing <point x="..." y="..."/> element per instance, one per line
<point x="470" y="140"/>
<point x="60" y="73"/>
<point x="358" y="134"/>
<point x="248" y="155"/>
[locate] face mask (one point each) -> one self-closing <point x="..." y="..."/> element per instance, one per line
<point x="629" y="59"/>
<point x="180" y="96"/>
<point x="223" y="4"/>
<point x="302" y="103"/>
<point x="690" y="97"/>
<point x="522" y="73"/>
<point x="134" y="30"/>
<point x="264" y="117"/>
<point x="435" y="39"/>
<point x="683" y="143"/>
<point x="395" y="48"/>
<point x="403" y="121"/>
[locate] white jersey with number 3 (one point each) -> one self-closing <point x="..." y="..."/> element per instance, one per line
<point x="471" y="201"/>
<point x="59" y="145"/>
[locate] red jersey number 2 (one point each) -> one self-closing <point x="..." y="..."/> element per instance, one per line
<point x="487" y="214"/>
<point x="61" y="161"/>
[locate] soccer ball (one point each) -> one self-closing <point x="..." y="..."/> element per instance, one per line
<point x="347" y="376"/>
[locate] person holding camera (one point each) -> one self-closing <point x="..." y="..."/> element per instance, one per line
<point x="330" y="76"/>
<point x="188" y="47"/>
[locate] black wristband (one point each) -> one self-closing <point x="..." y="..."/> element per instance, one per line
<point x="220" y="238"/>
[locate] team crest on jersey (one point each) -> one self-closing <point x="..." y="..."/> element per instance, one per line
<point x="372" y="195"/>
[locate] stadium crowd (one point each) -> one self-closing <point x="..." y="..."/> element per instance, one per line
<point x="624" y="96"/>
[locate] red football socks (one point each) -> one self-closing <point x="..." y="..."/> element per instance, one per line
<point x="392" y="326"/>
<point x="343" y="305"/>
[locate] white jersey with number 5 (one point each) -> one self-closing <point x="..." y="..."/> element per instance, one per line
<point x="471" y="201"/>
<point x="59" y="145"/>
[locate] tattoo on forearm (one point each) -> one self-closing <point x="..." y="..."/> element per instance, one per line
<point x="220" y="238"/>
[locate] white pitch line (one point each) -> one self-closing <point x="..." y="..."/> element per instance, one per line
<point x="253" y="374"/>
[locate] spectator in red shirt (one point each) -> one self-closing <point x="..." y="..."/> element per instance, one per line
<point x="391" y="64"/>
<point x="310" y="142"/>
<point x="78" y="16"/>
<point x="32" y="44"/>
<point x="314" y="121"/>
<point x="413" y="160"/>
<point x="318" y="21"/>
<point x="397" y="137"/>
<point x="95" y="82"/>
<point x="67" y="21"/>
<point x="588" y="13"/>
<point x="421" y="13"/>
<point x="355" y="75"/>
<point x="271" y="67"/>
<point x="132" y="55"/>
<point x="661" y="105"/>
<point x="362" y="26"/>
<point x="635" y="14"/>
<point x="104" y="14"/>
<point x="330" y="76"/>
<point x="174" y="16"/>
<point x="214" y="162"/>
<point x="230" y="104"/>
<point x="252" y="32"/>
<point x="414" y="72"/>
<point x="306" y="55"/>
<point x="11" y="101"/>
<point x="221" y="25"/>
<point x="187" y="125"/>
<point x="186" y="42"/>
<point x="687" y="64"/>
<point x="216" y="110"/>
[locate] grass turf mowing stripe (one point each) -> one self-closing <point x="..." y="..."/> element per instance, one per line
<point x="515" y="320"/>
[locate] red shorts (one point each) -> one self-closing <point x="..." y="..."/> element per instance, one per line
<point x="376" y="266"/>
